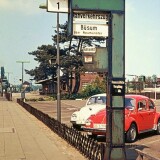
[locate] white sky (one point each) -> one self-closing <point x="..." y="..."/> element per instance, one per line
<point x="24" y="27"/>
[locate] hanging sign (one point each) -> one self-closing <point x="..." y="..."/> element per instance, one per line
<point x="90" y="24"/>
<point x="57" y="6"/>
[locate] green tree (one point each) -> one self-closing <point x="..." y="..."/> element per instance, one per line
<point x="72" y="62"/>
<point x="96" y="87"/>
<point x="70" y="58"/>
<point x="42" y="55"/>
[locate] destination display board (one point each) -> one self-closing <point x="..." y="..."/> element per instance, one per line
<point x="90" y="24"/>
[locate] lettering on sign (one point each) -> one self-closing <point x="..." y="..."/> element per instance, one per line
<point x="88" y="27"/>
<point x="90" y="17"/>
<point x="89" y="49"/>
<point x="97" y="30"/>
<point x="60" y="6"/>
<point x="118" y="88"/>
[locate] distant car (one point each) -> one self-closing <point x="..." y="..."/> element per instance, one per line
<point x="140" y="117"/>
<point x="93" y="105"/>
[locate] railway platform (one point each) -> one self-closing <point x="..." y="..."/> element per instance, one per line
<point x="23" y="137"/>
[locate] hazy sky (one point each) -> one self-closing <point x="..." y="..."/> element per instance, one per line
<point x="24" y="27"/>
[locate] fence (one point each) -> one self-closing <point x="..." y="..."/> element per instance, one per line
<point x="88" y="147"/>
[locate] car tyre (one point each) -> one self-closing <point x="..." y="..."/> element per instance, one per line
<point x="131" y="134"/>
<point x="158" y="127"/>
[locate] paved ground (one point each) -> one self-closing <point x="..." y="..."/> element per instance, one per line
<point x="23" y="137"/>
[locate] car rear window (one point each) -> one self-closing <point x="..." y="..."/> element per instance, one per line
<point x="97" y="100"/>
<point x="129" y="103"/>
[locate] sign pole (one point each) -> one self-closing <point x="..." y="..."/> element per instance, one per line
<point x="57" y="6"/>
<point x="58" y="74"/>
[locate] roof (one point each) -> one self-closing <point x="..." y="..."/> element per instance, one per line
<point x="42" y="81"/>
<point x="136" y="96"/>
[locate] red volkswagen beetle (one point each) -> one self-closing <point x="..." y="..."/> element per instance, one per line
<point x="140" y="117"/>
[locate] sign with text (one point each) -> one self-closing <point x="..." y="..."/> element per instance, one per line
<point x="90" y="17"/>
<point x="88" y="58"/>
<point x="93" y="30"/>
<point x="57" y="6"/>
<point x="118" y="88"/>
<point x="89" y="49"/>
<point x="90" y="24"/>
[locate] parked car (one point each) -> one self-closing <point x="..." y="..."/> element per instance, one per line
<point x="140" y="116"/>
<point x="93" y="105"/>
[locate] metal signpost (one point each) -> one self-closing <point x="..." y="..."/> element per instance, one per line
<point x="106" y="18"/>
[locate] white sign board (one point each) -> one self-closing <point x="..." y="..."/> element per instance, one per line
<point x="89" y="49"/>
<point x="93" y="30"/>
<point x="57" y="6"/>
<point x="88" y="59"/>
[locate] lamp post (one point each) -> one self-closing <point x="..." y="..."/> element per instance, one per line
<point x="22" y="62"/>
<point x="58" y="74"/>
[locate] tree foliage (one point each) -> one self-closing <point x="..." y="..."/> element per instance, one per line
<point x="42" y="55"/>
<point x="71" y="62"/>
<point x="96" y="87"/>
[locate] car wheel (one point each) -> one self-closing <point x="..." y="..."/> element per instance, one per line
<point x="158" y="127"/>
<point x="131" y="134"/>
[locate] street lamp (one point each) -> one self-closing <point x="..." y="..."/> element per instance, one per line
<point x="22" y="68"/>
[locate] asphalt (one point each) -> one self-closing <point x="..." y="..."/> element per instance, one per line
<point x="23" y="137"/>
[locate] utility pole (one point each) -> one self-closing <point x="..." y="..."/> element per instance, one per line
<point x="22" y="62"/>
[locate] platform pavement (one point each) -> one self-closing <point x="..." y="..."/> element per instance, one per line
<point x="23" y="137"/>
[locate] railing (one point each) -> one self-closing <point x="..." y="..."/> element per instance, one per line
<point x="87" y="146"/>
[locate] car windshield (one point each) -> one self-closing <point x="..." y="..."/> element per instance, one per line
<point x="97" y="100"/>
<point x="129" y="103"/>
